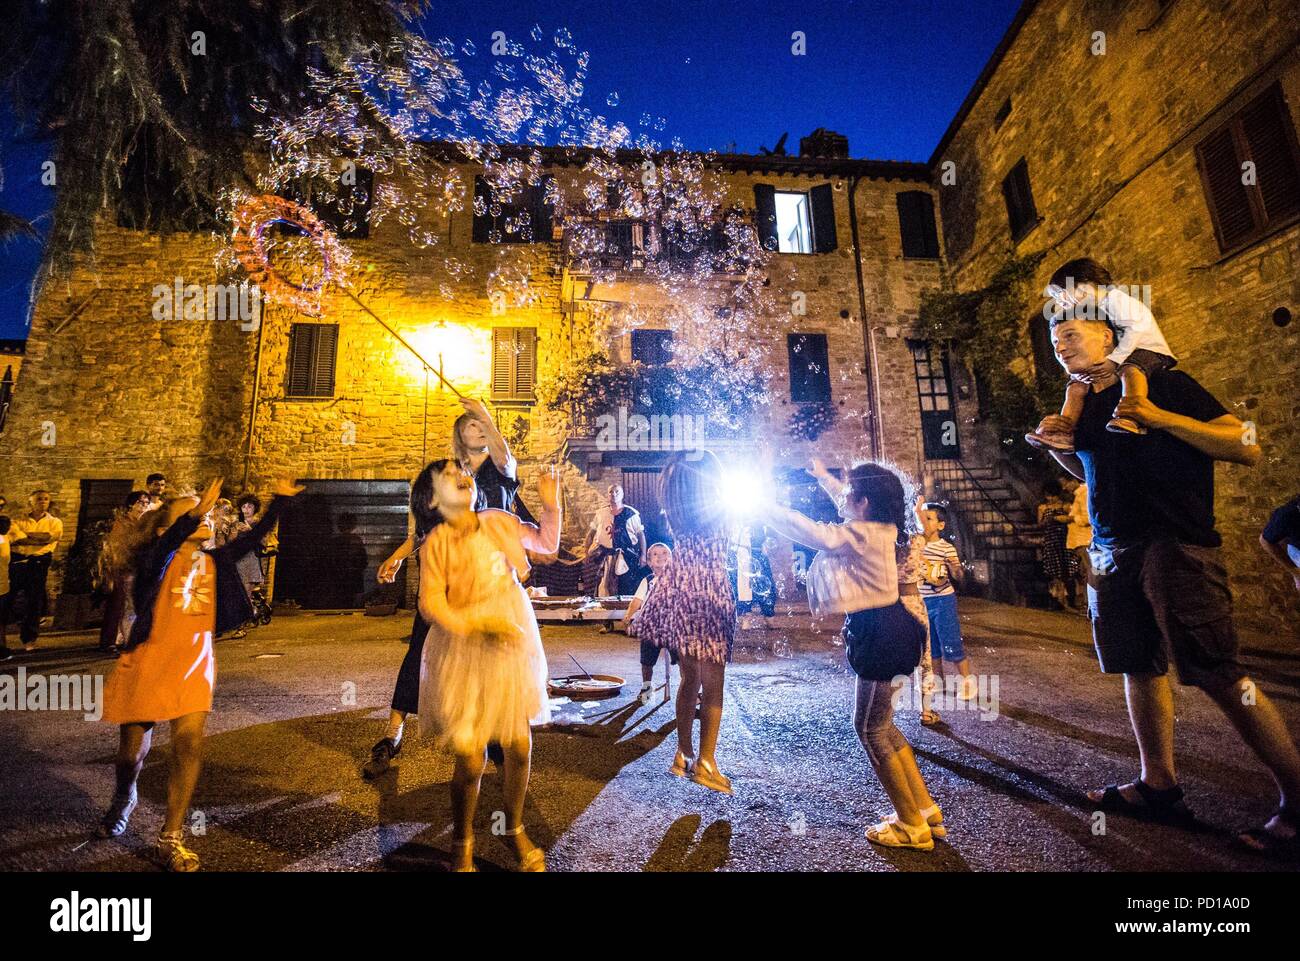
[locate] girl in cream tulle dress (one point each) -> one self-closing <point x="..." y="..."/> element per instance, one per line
<point x="483" y="676"/>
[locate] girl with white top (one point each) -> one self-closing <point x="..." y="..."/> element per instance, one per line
<point x="857" y="573"/>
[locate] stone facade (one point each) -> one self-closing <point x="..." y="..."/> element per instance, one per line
<point x="108" y="391"/>
<point x="1110" y="141"/>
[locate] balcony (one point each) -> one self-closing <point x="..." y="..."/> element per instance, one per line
<point x="650" y="247"/>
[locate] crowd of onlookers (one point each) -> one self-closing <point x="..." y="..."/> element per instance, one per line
<point x="104" y="549"/>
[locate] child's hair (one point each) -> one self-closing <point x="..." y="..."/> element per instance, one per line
<point x="940" y="511"/>
<point x="658" y="544"/>
<point x="459" y="448"/>
<point x="249" y="499"/>
<point x="887" y="491"/>
<point x="4" y="524"/>
<point x="133" y="498"/>
<point x="427" y="517"/>
<point x="690" y="490"/>
<point x="1082" y="270"/>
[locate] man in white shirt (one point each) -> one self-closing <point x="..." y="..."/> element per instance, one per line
<point x="35" y="535"/>
<point x="619" y="539"/>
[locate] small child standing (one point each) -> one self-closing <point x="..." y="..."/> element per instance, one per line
<point x="658" y="556"/>
<point x="1140" y="351"/>
<point x="857" y="573"/>
<point x="942" y="571"/>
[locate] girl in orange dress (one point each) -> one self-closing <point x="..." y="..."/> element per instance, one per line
<point x="184" y="596"/>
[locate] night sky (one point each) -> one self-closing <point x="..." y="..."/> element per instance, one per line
<point x="890" y="76"/>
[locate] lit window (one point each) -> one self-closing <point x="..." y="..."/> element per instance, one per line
<point x="793" y="224"/>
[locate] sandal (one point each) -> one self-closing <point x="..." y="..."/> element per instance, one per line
<point x="896" y="834"/>
<point x="118" y="817"/>
<point x="930" y="718"/>
<point x="1280" y="835"/>
<point x="1160" y="807"/>
<point x="682" y="765"/>
<point x="173" y="855"/>
<point x="534" y="862"/>
<point x="933" y="817"/>
<point x="706" y="774"/>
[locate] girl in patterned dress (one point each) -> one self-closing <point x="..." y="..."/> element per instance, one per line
<point x="185" y="594"/>
<point x="692" y="610"/>
<point x="483" y="677"/>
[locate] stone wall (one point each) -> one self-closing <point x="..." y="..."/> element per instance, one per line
<point x="128" y="394"/>
<point x="1110" y="144"/>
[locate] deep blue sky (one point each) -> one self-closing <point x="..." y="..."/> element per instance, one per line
<point x="889" y="75"/>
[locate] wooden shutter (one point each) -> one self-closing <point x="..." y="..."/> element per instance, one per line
<point x="514" y="363"/>
<point x="916" y="224"/>
<point x="1021" y="213"/>
<point x="1272" y="146"/>
<point x="1229" y="202"/>
<point x="821" y="203"/>
<point x="810" y="376"/>
<point x="765" y="204"/>
<point x="542" y="212"/>
<point x="483" y="221"/>
<point x="313" y="350"/>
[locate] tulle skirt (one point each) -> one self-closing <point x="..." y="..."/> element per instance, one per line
<point x="475" y="690"/>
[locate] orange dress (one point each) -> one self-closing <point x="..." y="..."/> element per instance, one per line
<point x="173" y="672"/>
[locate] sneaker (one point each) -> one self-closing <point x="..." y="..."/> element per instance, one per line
<point x="381" y="755"/>
<point x="646" y="690"/>
<point x="1124" y="425"/>
<point x="173" y="855"/>
<point x="1064" y="443"/>
<point x="118" y="817"/>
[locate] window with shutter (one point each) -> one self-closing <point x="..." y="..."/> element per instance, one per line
<point x="1021" y="213"/>
<point x="313" y="350"/>
<point x="526" y="219"/>
<point x="1244" y="208"/>
<point x="916" y="224"/>
<point x="822" y="198"/>
<point x="810" y="375"/>
<point x="514" y="363"/>
<point x="765" y="206"/>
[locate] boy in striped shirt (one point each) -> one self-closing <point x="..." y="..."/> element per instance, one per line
<point x="943" y="569"/>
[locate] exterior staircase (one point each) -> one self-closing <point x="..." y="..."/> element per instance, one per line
<point x="995" y="525"/>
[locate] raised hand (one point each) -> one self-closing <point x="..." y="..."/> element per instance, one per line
<point x="209" y="498"/>
<point x="548" y="488"/>
<point x="476" y="408"/>
<point x="284" y="487"/>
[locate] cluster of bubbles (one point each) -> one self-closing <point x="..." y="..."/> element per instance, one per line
<point x="406" y="118"/>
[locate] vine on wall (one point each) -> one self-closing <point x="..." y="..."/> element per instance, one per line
<point x="988" y="328"/>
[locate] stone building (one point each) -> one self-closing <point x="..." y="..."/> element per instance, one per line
<point x="1157" y="137"/>
<point x="352" y="403"/>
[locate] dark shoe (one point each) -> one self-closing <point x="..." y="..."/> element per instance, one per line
<point x="381" y="755"/>
<point x="1161" y="807"/>
<point x="6" y="655"/>
<point x="118" y="817"/>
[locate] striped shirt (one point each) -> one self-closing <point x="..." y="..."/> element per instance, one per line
<point x="936" y="553"/>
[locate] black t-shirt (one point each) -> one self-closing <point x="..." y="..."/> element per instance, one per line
<point x="1284" y="525"/>
<point x="1150" y="485"/>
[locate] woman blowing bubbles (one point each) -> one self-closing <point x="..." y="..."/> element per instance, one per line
<point x="483" y="677"/>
